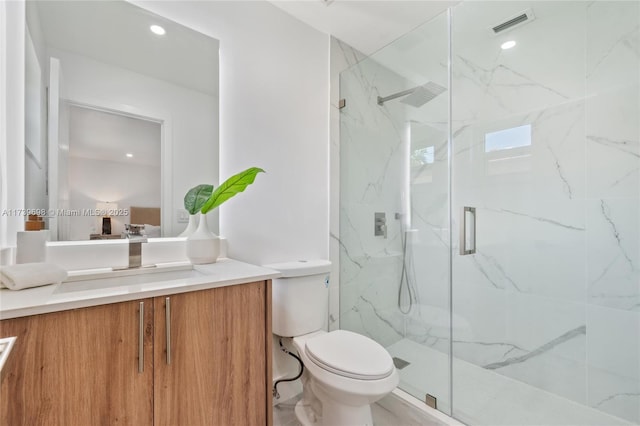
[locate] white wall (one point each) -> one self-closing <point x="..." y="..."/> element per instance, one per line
<point x="193" y="117"/>
<point x="274" y="108"/>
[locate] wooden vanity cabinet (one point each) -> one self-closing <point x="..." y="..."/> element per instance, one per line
<point x="219" y="371"/>
<point x="80" y="367"/>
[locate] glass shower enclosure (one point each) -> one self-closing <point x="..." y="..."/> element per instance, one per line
<point x="490" y="210"/>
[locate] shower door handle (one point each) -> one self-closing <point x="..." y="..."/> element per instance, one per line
<point x="468" y="231"/>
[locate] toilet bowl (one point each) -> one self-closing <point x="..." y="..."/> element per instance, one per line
<point x="344" y="372"/>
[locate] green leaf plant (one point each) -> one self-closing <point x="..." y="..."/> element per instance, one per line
<point x="230" y="187"/>
<point x="204" y="199"/>
<point x="196" y="197"/>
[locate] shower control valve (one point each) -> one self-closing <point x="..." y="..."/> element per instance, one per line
<point x="380" y="224"/>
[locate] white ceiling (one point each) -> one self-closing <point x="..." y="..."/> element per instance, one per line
<point x="117" y="33"/>
<point x="366" y="25"/>
<point x="106" y="136"/>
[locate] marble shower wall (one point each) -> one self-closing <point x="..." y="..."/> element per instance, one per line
<point x="612" y="155"/>
<point x="552" y="296"/>
<point x="371" y="152"/>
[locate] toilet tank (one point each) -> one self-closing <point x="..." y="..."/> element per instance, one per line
<point x="300" y="298"/>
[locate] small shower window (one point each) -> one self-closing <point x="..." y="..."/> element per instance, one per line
<point x="424" y="155"/>
<point x="514" y="137"/>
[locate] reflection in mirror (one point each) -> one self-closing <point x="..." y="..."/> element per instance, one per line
<point x="132" y="117"/>
<point x="114" y="161"/>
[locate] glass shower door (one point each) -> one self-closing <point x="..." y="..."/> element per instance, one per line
<point x="546" y="272"/>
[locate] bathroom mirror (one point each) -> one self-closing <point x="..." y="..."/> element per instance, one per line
<point x="121" y="112"/>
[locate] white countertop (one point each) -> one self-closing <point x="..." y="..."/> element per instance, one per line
<point x="53" y="298"/>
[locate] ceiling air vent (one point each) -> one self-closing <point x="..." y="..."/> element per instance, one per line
<point x="515" y="21"/>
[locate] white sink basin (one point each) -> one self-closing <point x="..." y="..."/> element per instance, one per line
<point x="154" y="275"/>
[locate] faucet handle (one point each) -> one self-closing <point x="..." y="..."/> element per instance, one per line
<point x="133" y="229"/>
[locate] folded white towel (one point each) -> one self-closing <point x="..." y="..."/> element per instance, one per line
<point x="26" y="275"/>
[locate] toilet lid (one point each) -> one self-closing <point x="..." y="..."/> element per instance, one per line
<point x="350" y="354"/>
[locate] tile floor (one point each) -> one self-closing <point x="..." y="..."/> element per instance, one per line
<point x="283" y="415"/>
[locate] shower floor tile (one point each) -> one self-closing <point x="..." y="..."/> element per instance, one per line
<point x="483" y="397"/>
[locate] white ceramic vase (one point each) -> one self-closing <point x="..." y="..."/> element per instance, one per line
<point x="203" y="246"/>
<point x="192" y="226"/>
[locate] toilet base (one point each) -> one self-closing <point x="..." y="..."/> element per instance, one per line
<point x="336" y="416"/>
<point x="304" y="415"/>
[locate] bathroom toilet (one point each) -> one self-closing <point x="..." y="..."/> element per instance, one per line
<point x="344" y="372"/>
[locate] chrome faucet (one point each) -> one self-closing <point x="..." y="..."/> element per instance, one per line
<point x="136" y="238"/>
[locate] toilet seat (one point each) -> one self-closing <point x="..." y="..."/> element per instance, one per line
<point x="350" y="355"/>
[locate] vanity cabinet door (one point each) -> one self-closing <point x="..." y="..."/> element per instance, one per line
<point x="80" y="367"/>
<point x="217" y="370"/>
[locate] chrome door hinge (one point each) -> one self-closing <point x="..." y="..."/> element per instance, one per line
<point x="431" y="401"/>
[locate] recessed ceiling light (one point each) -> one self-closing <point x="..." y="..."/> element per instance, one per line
<point x="508" y="44"/>
<point x="157" y="29"/>
<point x="129" y="155"/>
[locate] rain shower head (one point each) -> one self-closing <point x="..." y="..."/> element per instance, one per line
<point x="417" y="96"/>
<point x="423" y="94"/>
